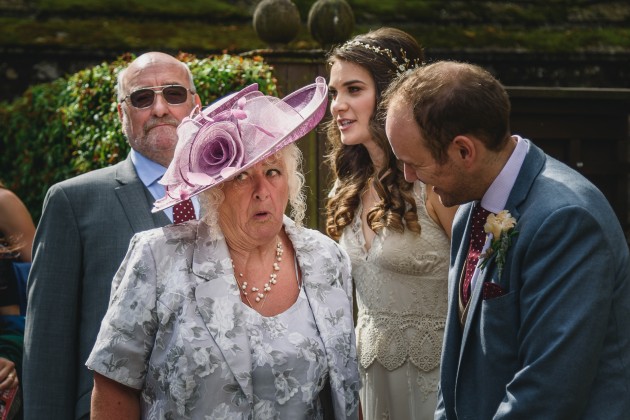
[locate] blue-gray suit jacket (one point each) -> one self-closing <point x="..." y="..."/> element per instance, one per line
<point x="556" y="345"/>
<point x="81" y="240"/>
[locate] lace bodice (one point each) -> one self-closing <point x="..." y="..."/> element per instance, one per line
<point x="401" y="286"/>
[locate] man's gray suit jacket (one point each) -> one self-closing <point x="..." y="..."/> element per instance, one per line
<point x="81" y="239"/>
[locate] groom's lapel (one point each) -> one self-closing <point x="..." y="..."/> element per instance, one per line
<point x="532" y="165"/>
<point x="484" y="275"/>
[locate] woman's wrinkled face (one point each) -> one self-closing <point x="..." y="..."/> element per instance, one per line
<point x="352" y="101"/>
<point x="255" y="202"/>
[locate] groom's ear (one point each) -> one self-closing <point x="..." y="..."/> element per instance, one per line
<point x="463" y="149"/>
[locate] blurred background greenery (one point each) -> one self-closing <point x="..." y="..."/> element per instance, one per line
<point x="202" y="25"/>
<point x="58" y="60"/>
<point x="70" y="126"/>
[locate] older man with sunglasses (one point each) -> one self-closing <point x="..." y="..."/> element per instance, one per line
<point x="84" y="232"/>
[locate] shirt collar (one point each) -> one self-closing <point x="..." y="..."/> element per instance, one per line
<point x="497" y="195"/>
<point x="149" y="171"/>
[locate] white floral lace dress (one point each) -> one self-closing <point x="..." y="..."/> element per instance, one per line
<point x="177" y="330"/>
<point x="401" y="288"/>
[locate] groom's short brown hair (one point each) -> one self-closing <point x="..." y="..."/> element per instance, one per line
<point x="448" y="99"/>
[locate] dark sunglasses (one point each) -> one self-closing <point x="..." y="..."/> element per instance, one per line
<point x="144" y="98"/>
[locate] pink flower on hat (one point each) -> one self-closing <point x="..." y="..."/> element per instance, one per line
<point x="216" y="147"/>
<point x="209" y="146"/>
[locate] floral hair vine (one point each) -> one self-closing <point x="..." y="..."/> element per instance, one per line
<point x="401" y="68"/>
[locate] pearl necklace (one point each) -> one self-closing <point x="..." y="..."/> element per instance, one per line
<point x="261" y="295"/>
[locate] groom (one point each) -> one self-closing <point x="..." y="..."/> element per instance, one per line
<point x="539" y="309"/>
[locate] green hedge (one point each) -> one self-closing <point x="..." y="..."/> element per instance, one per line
<point x="70" y="126"/>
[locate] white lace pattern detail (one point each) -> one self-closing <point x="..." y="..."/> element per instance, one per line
<point x="393" y="338"/>
<point x="401" y="286"/>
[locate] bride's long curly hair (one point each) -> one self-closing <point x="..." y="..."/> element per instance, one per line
<point x="384" y="53"/>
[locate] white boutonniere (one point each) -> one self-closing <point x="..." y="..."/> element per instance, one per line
<point x="501" y="226"/>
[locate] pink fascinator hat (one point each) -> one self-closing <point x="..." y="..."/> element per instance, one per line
<point x="235" y="133"/>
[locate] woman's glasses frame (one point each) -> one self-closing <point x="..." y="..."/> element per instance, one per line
<point x="145" y="97"/>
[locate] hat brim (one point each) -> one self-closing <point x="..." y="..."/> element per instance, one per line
<point x="308" y="106"/>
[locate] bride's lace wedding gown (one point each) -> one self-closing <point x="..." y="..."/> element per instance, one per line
<point x="401" y="288"/>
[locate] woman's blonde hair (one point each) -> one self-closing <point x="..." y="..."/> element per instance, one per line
<point x="211" y="199"/>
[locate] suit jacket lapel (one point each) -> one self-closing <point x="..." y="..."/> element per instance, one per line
<point x="136" y="199"/>
<point x="460" y="265"/>
<point x="483" y="275"/>
<point x="220" y="306"/>
<point x="476" y="295"/>
<point x="532" y="165"/>
<point x="453" y="330"/>
<point x="333" y="328"/>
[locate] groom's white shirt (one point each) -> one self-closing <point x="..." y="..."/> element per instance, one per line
<point x="495" y="198"/>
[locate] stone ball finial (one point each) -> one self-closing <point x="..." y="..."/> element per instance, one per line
<point x="276" y="22"/>
<point x="330" y="21"/>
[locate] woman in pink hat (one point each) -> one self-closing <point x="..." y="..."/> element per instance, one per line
<point x="244" y="313"/>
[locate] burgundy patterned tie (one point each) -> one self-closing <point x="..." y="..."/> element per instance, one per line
<point x="184" y="211"/>
<point x="477" y="239"/>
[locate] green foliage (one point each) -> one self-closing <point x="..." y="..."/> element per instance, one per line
<point x="124" y="35"/>
<point x="70" y="126"/>
<point x="215" y="10"/>
<point x="127" y="34"/>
